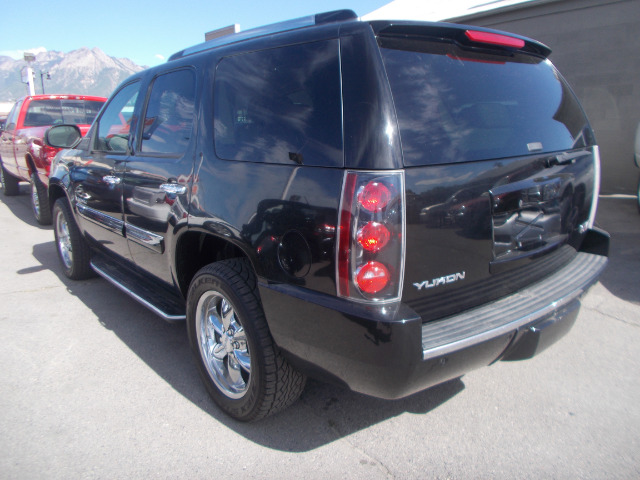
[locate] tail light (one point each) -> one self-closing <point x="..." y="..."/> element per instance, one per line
<point x="370" y="250"/>
<point x="48" y="153"/>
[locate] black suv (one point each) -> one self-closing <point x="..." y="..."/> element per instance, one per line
<point x="384" y="205"/>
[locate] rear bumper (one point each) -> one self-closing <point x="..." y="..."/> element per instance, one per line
<point x="387" y="351"/>
<point x="541" y="304"/>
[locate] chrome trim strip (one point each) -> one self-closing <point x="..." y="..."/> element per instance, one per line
<point x="144" y="238"/>
<point x="102" y="219"/>
<point x="538" y="301"/>
<point x="153" y="308"/>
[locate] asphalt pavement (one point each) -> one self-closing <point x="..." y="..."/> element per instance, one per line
<point x="92" y="385"/>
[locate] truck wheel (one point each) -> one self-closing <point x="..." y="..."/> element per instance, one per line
<point x="10" y="184"/>
<point x="236" y="356"/>
<point x="72" y="248"/>
<point x="40" y="201"/>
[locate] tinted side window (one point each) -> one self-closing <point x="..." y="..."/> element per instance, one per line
<point x="280" y="105"/>
<point x="115" y="123"/>
<point x="168" y="121"/>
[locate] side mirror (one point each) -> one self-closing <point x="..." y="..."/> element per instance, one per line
<point x="63" y="136"/>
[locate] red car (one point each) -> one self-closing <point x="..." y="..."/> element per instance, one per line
<point x="23" y="154"/>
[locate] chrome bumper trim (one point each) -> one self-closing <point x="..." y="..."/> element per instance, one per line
<point x="539" y="301"/>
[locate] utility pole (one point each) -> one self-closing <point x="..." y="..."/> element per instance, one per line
<point x="42" y="74"/>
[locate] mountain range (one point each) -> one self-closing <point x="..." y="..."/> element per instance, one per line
<point x="83" y="71"/>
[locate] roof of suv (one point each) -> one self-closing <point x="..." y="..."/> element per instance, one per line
<point x="288" y="25"/>
<point x="439" y="30"/>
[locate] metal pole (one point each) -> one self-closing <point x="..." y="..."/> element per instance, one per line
<point x="30" y="75"/>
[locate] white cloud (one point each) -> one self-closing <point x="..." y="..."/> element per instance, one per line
<point x="159" y="57"/>
<point x="19" y="54"/>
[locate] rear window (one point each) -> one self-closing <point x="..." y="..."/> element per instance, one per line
<point x="52" y="112"/>
<point x="454" y="105"/>
<point x="281" y="105"/>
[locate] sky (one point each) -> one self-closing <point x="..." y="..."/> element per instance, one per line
<point x="145" y="31"/>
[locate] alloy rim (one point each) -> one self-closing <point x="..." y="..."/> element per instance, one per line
<point x="223" y="345"/>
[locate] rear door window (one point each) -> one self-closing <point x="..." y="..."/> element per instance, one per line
<point x="168" y="120"/>
<point x="280" y="105"/>
<point x="454" y="105"/>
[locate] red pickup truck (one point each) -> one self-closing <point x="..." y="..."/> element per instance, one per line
<point x="23" y="154"/>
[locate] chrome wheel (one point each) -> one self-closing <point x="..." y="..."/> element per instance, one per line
<point x="64" y="240"/>
<point x="239" y="363"/>
<point x="223" y="345"/>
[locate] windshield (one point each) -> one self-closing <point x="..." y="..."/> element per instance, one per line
<point x="55" y="111"/>
<point x="454" y="105"/>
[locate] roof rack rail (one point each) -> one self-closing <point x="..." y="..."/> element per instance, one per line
<point x="311" y="20"/>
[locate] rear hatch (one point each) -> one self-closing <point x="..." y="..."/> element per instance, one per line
<point x="500" y="163"/>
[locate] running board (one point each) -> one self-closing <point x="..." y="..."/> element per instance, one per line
<point x="152" y="295"/>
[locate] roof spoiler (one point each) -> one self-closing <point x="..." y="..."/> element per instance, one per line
<point x="470" y="36"/>
<point x="311" y="20"/>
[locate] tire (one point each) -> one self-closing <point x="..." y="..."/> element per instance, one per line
<point x="40" y="201"/>
<point x="72" y="248"/>
<point x="236" y="356"/>
<point x="10" y="184"/>
<point x="638" y="196"/>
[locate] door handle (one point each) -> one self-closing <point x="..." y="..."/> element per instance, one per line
<point x="565" y="158"/>
<point x="173" y="188"/>
<point x="112" y="180"/>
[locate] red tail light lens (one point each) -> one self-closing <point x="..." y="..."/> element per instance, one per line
<point x="374" y="196"/>
<point x="49" y="152"/>
<point x="372" y="277"/>
<point x="370" y="239"/>
<point x="373" y="236"/>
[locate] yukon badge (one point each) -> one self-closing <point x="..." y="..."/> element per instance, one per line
<point x="436" y="282"/>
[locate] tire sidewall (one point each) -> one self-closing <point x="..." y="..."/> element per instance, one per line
<point x="58" y="209"/>
<point x="43" y="215"/>
<point x="638" y="196"/>
<point x="246" y="407"/>
<point x="10" y="184"/>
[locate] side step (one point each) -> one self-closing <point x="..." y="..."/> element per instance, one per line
<point x="153" y="295"/>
